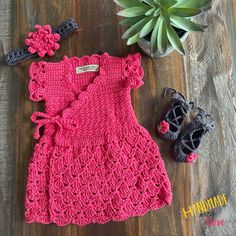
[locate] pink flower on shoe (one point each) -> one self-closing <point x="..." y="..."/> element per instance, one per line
<point x="42" y="41"/>
<point x="192" y="157"/>
<point x="163" y="127"/>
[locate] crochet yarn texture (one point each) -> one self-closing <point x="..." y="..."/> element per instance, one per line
<point x="43" y="41"/>
<point x="94" y="162"/>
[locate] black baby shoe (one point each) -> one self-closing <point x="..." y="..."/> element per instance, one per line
<point x="184" y="150"/>
<point x="172" y="120"/>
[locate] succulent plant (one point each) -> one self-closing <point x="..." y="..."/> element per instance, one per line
<point x="161" y="20"/>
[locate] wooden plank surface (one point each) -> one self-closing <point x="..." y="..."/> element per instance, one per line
<point x="205" y="75"/>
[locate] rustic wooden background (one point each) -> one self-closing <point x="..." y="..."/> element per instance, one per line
<point x="204" y="75"/>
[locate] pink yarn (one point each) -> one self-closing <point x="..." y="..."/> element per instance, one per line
<point x="163" y="127"/>
<point x="42" y="41"/>
<point x="192" y="157"/>
<point x="93" y="162"/>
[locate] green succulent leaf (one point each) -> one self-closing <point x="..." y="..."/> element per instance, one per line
<point x="150" y="2"/>
<point x="162" y="2"/>
<point x="174" y="39"/>
<point x="131" y="20"/>
<point x="162" y="40"/>
<point x="176" y="26"/>
<point x="165" y="16"/>
<point x="154" y="36"/>
<point x="128" y="3"/>
<point x="186" y="24"/>
<point x="193" y="3"/>
<point x="184" y="12"/>
<point x="134" y="39"/>
<point x="157" y="12"/>
<point x="134" y="29"/>
<point x="150" y="12"/>
<point x="170" y="3"/>
<point x="147" y="28"/>
<point x="134" y="11"/>
<point x="159" y="17"/>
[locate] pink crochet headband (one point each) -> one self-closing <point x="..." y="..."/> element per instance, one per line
<point x="43" y="41"/>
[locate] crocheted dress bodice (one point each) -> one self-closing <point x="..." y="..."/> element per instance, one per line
<point x="93" y="162"/>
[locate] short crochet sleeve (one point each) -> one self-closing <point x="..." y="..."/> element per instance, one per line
<point x="37" y="81"/>
<point x="133" y="71"/>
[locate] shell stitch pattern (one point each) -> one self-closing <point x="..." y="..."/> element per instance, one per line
<point x="94" y="163"/>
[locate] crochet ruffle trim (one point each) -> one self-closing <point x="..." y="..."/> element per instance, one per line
<point x="131" y="67"/>
<point x="133" y="71"/>
<point x="36" y="85"/>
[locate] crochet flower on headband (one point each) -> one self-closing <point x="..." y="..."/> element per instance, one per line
<point x="42" y="41"/>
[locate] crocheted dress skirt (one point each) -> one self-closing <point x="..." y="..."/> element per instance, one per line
<point x="93" y="162"/>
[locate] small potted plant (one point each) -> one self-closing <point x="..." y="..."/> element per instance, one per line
<point x="160" y="26"/>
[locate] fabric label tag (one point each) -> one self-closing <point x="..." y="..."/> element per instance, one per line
<point x="87" y="68"/>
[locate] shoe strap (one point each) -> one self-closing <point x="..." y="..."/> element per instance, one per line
<point x="201" y="121"/>
<point x="183" y="143"/>
<point x="168" y="90"/>
<point x="206" y="120"/>
<point x="175" y="120"/>
<point x="177" y="97"/>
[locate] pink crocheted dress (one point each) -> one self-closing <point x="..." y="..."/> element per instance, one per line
<point x="93" y="162"/>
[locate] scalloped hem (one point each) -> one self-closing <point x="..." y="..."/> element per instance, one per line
<point x="167" y="202"/>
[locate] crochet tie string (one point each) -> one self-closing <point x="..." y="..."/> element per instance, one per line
<point x="42" y="119"/>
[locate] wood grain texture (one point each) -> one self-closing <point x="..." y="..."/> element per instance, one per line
<point x="208" y="73"/>
<point x="205" y="75"/>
